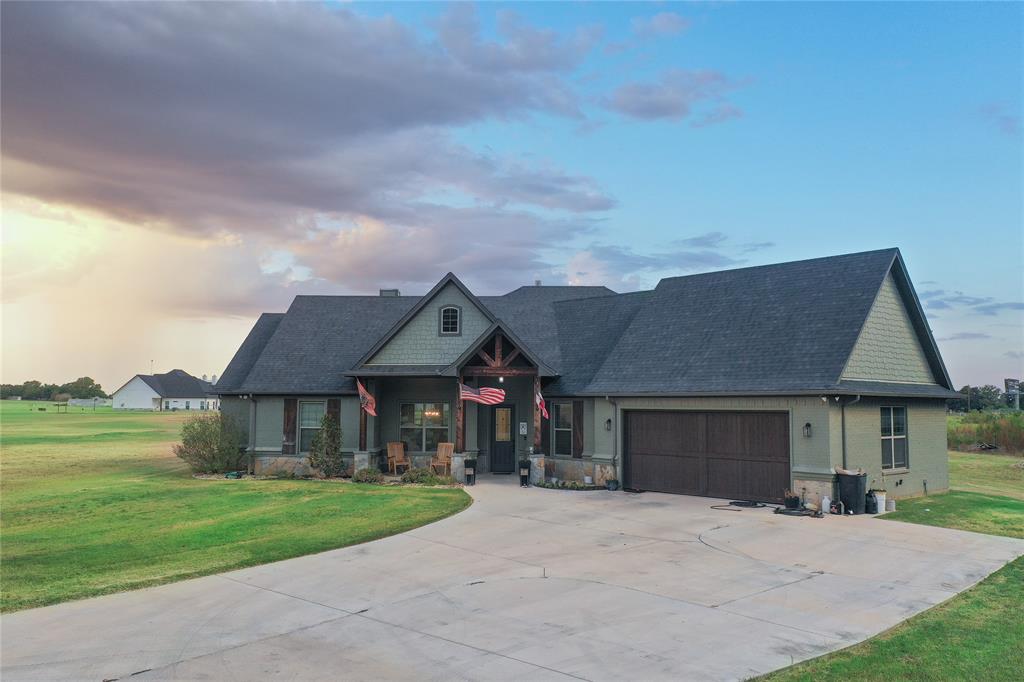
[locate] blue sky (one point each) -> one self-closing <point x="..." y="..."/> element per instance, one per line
<point x="275" y="150"/>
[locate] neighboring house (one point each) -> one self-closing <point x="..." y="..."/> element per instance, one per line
<point x="734" y="384"/>
<point x="176" y="390"/>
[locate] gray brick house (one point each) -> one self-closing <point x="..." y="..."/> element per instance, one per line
<point x="740" y="383"/>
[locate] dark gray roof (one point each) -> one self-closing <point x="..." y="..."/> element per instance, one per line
<point x="249" y="352"/>
<point x="177" y="384"/>
<point x="774" y="329"/>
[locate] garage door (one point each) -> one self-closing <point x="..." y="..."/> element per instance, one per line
<point x="737" y="455"/>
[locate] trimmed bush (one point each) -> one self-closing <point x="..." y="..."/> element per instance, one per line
<point x="425" y="476"/>
<point x="368" y="476"/>
<point x="325" y="450"/>
<point x="210" y="444"/>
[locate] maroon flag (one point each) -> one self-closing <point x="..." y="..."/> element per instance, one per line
<point x="543" y="407"/>
<point x="366" y="401"/>
<point x="484" y="396"/>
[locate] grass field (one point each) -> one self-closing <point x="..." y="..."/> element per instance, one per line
<point x="95" y="502"/>
<point x="976" y="635"/>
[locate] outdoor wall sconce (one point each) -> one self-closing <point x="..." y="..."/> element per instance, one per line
<point x="807" y="430"/>
<point x="608" y="424"/>
<point x="501" y="380"/>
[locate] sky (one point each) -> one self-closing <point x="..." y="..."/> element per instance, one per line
<point x="169" y="171"/>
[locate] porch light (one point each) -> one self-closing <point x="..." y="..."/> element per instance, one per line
<point x="608" y="424"/>
<point x="501" y="380"/>
<point x="807" y="430"/>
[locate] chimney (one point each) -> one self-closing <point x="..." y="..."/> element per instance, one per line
<point x="390" y="292"/>
<point x="536" y="282"/>
<point x="204" y="378"/>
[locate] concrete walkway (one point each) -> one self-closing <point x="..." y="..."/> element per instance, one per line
<point x="526" y="584"/>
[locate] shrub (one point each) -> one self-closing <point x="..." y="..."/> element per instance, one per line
<point x="210" y="444"/>
<point x="425" y="476"/>
<point x="325" y="450"/>
<point x="368" y="476"/>
<point x="1005" y="429"/>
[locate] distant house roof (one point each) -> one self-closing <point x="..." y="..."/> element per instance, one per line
<point x="176" y="384"/>
<point x="773" y="329"/>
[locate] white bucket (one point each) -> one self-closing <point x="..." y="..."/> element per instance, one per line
<point x="890" y="505"/>
<point x="880" y="501"/>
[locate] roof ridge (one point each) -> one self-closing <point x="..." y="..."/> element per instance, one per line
<point x="892" y="249"/>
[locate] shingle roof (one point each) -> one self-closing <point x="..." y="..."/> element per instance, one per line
<point x="177" y="384"/>
<point x="779" y="328"/>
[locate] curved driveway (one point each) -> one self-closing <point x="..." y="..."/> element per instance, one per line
<point x="525" y="584"/>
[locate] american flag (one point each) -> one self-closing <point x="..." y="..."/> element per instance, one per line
<point x="484" y="396"/>
<point x="366" y="400"/>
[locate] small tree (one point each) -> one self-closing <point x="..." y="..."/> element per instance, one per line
<point x="210" y="443"/>
<point x="325" y="450"/>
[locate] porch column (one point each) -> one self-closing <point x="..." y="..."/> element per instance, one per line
<point x="460" y="420"/>
<point x="362" y="427"/>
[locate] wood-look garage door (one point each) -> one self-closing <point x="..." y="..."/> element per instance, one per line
<point x="737" y="455"/>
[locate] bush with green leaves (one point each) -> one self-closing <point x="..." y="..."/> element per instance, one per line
<point x="210" y="444"/>
<point x="325" y="450"/>
<point x="425" y="476"/>
<point x="368" y="475"/>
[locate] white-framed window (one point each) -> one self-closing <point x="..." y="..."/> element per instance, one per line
<point x="310" y="415"/>
<point x="451" y="321"/>
<point x="167" y="404"/>
<point x="187" y="406"/>
<point x="423" y="425"/>
<point x="894" y="437"/>
<point x="561" y="424"/>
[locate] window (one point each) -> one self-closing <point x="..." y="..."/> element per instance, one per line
<point x="310" y="416"/>
<point x="450" y="320"/>
<point x="167" y="404"/>
<point x="186" y="406"/>
<point x="202" y="404"/>
<point x="423" y="426"/>
<point x="562" y="424"/>
<point x="894" y="437"/>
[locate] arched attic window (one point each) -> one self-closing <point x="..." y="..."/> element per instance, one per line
<point x="450" y="321"/>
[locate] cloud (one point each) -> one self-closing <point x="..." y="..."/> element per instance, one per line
<point x="675" y="96"/>
<point x="940" y="299"/>
<point x="966" y="336"/>
<point x="624" y="269"/>
<point x="996" y="308"/>
<point x="1004" y="118"/>
<point x="658" y="25"/>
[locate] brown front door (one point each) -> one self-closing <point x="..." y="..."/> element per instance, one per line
<point x="738" y="455"/>
<point x="503" y="440"/>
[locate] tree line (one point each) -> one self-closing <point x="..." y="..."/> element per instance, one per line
<point x="82" y="387"/>
<point x="983" y="398"/>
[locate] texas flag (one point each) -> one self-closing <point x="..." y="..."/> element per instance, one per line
<point x="543" y="407"/>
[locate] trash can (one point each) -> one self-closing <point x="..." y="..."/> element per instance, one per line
<point x="524" y="473"/>
<point x="470" y="467"/>
<point x="853" y="488"/>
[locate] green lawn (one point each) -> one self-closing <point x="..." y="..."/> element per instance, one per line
<point x="94" y="503"/>
<point x="976" y="635"/>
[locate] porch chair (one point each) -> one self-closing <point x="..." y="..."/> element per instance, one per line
<point x="397" y="457"/>
<point x="443" y="458"/>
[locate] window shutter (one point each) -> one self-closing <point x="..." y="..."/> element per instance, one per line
<point x="290" y="415"/>
<point x="577" y="428"/>
<point x="334" y="409"/>
<point x="545" y="430"/>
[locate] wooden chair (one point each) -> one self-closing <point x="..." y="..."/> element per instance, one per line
<point x="443" y="458"/>
<point x="397" y="458"/>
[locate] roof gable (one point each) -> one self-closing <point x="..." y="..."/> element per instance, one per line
<point x="416" y="339"/>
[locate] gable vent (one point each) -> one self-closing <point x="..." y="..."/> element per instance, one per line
<point x="390" y="292"/>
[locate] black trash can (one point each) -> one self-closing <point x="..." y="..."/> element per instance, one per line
<point x="524" y="473"/>
<point x="470" y="466"/>
<point x="852" y="490"/>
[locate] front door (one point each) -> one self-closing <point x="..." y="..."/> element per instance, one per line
<point x="503" y="440"/>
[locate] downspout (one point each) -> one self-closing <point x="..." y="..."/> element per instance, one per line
<point x="842" y="409"/>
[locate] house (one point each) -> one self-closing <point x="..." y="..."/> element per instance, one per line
<point x="737" y="384"/>
<point x="175" y="390"/>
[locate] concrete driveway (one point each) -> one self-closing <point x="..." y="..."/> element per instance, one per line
<point x="526" y="584"/>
